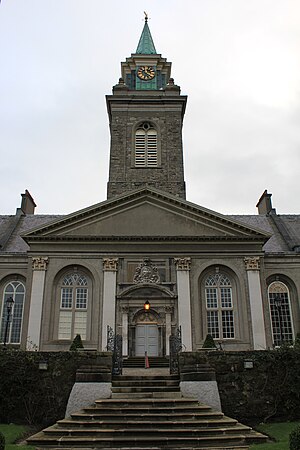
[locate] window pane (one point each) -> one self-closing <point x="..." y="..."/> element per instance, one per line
<point x="227" y="324"/>
<point x="213" y="324"/>
<point x="65" y="325"/>
<point x="281" y="318"/>
<point x="17" y="320"/>
<point x="80" y="324"/>
<point x="211" y="298"/>
<point x="16" y="290"/>
<point x="226" y="301"/>
<point x="81" y="298"/>
<point x="66" y="298"/>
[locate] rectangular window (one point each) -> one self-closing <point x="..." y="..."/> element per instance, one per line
<point x="80" y="323"/>
<point x="226" y="301"/>
<point x="66" y="298"/>
<point x="227" y="324"/>
<point x="213" y="324"/>
<point x="81" y="298"/>
<point x="65" y="325"/>
<point x="16" y="322"/>
<point x="211" y="298"/>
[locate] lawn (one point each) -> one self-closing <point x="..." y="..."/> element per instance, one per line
<point x="12" y="434"/>
<point x="279" y="432"/>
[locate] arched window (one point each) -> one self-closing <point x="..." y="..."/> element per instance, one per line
<point x="146" y="146"/>
<point x="15" y="290"/>
<point x="281" y="319"/>
<point x="73" y="306"/>
<point x="219" y="306"/>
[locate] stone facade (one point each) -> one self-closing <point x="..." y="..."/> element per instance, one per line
<point x="234" y="277"/>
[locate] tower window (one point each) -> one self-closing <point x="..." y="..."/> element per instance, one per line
<point x="146" y="146"/>
<point x="219" y="306"/>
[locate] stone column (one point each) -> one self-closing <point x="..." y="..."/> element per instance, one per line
<point x="110" y="266"/>
<point x="184" y="300"/>
<point x="168" y="311"/>
<point x="39" y="266"/>
<point x="256" y="304"/>
<point x="125" y="311"/>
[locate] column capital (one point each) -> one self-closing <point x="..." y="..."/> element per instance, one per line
<point x="168" y="309"/>
<point x="110" y="264"/>
<point x="183" y="263"/>
<point x="252" y="263"/>
<point x="39" y="263"/>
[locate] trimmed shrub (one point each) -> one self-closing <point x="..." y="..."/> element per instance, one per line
<point x="2" y="441"/>
<point x="76" y="344"/>
<point x="295" y="439"/>
<point x="209" y="342"/>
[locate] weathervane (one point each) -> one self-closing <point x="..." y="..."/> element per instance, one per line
<point x="146" y="16"/>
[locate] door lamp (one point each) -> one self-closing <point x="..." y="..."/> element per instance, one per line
<point x="146" y="306"/>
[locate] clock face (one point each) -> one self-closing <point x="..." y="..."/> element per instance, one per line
<point x="146" y="73"/>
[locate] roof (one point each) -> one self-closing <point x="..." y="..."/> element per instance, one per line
<point x="146" y="44"/>
<point x="283" y="229"/>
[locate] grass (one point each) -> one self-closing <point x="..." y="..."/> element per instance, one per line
<point x="14" y="433"/>
<point x="279" y="432"/>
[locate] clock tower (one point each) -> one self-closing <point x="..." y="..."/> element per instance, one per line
<point x="146" y="114"/>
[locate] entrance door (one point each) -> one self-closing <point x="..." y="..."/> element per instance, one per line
<point x="146" y="340"/>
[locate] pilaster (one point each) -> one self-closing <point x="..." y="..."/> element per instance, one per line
<point x="252" y="265"/>
<point x="184" y="300"/>
<point x="39" y="267"/>
<point x="110" y="267"/>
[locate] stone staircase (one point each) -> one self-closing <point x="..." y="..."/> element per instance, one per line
<point x="147" y="412"/>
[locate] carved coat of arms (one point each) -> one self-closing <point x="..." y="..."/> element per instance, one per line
<point x="146" y="273"/>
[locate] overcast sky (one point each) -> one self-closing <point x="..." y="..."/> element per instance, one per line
<point x="237" y="60"/>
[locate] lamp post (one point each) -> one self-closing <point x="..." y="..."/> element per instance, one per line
<point x="278" y="305"/>
<point x="9" y="306"/>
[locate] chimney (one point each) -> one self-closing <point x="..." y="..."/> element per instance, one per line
<point x="264" y="204"/>
<point x="28" y="205"/>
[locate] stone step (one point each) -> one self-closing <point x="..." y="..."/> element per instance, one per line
<point x="146" y="431"/>
<point x="201" y="442"/>
<point x="142" y="394"/>
<point x="149" y="378"/>
<point x="151" y="383"/>
<point x="149" y="403"/>
<point x="139" y="361"/>
<point x="152" y="421"/>
<point x="145" y="389"/>
<point x="111" y="414"/>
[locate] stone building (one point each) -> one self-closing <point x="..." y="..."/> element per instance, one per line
<point x="234" y="277"/>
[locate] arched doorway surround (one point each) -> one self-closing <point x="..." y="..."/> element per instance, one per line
<point x="146" y="331"/>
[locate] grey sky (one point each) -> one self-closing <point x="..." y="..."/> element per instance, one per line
<point x="237" y="60"/>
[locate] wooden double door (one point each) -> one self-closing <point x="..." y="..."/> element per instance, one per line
<point x="146" y="340"/>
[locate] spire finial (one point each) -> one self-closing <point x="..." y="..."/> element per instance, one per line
<point x="146" y="16"/>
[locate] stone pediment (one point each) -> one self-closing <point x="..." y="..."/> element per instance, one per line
<point x="143" y="214"/>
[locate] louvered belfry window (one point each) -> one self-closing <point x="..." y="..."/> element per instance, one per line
<point x="146" y="146"/>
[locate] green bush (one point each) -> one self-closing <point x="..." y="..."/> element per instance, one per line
<point x="209" y="342"/>
<point x="2" y="441"/>
<point x="295" y="439"/>
<point x="76" y="344"/>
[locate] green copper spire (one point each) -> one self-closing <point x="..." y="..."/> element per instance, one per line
<point x="146" y="44"/>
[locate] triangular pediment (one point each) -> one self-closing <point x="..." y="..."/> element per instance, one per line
<point x="145" y="213"/>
